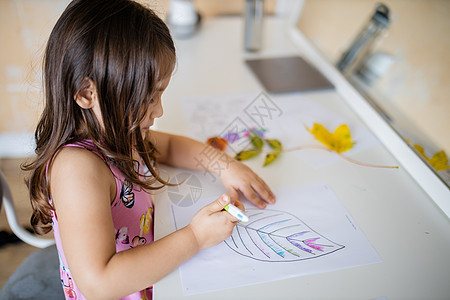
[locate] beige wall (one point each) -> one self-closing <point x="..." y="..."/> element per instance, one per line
<point x="418" y="83"/>
<point x="24" y="28"/>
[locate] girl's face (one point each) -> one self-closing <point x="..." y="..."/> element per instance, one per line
<point x="154" y="109"/>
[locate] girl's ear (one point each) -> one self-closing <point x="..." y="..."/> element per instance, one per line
<point x="86" y="97"/>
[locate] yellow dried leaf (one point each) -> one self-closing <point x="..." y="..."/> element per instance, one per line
<point x="271" y="157"/>
<point x="274" y="144"/>
<point x="256" y="141"/>
<point x="339" y="141"/>
<point x="246" y="154"/>
<point x="438" y="161"/>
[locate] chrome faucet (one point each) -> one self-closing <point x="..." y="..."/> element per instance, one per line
<point x="363" y="42"/>
<point x="254" y="12"/>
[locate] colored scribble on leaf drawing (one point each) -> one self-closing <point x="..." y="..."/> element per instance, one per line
<point x="277" y="236"/>
<point x="340" y="140"/>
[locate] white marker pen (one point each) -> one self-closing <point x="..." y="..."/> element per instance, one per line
<point x="236" y="212"/>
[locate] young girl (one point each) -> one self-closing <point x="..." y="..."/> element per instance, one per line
<point x="106" y="65"/>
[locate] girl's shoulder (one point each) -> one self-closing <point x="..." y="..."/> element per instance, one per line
<point x="81" y="156"/>
<point x="76" y="164"/>
<point x="78" y="158"/>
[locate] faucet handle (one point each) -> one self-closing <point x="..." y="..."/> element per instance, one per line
<point x="381" y="15"/>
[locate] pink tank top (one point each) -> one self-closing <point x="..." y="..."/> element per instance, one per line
<point x="132" y="213"/>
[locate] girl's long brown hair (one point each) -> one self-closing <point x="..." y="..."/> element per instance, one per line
<point x="126" y="50"/>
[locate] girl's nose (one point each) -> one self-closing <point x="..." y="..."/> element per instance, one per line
<point x="157" y="110"/>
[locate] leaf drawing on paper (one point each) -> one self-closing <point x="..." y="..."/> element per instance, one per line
<point x="278" y="236"/>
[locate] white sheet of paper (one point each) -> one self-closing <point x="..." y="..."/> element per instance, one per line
<point x="307" y="231"/>
<point x="284" y="117"/>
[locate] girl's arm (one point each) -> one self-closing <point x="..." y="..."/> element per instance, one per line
<point x="82" y="189"/>
<point x="184" y="152"/>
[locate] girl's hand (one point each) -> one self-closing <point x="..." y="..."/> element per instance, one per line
<point x="212" y="225"/>
<point x="239" y="177"/>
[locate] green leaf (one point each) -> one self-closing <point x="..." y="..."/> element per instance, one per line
<point x="271" y="157"/>
<point x="246" y="154"/>
<point x="274" y="144"/>
<point x="256" y="141"/>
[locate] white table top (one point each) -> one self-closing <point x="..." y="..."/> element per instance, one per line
<point x="402" y="222"/>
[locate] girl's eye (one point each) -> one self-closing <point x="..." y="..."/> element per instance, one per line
<point x="151" y="101"/>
